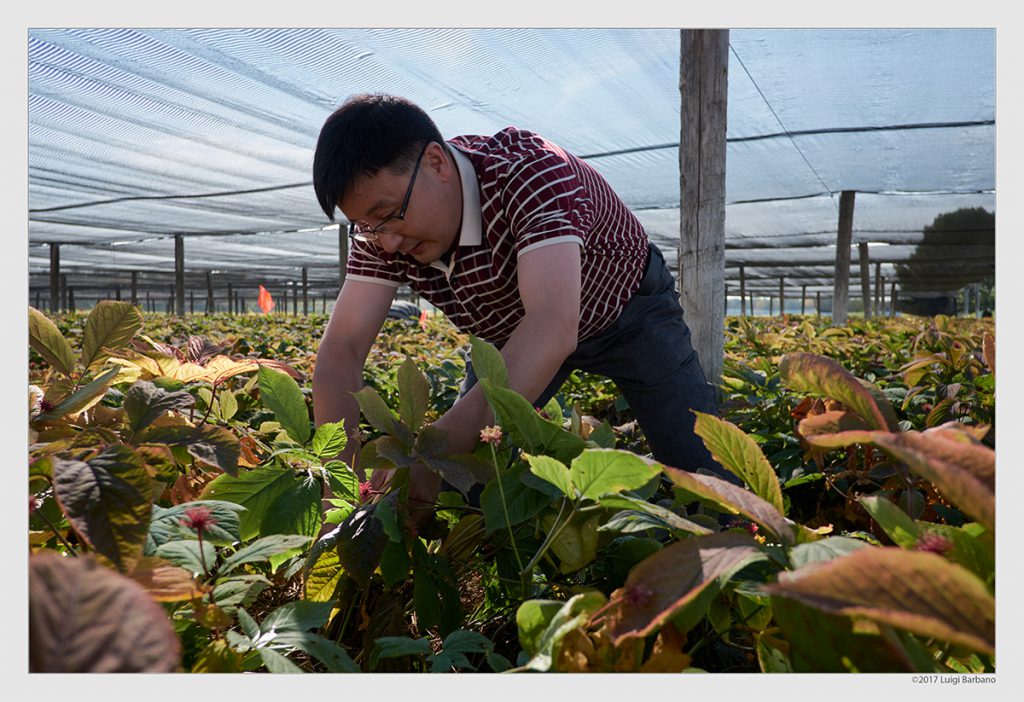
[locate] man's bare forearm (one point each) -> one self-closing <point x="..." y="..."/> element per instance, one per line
<point x="334" y="380"/>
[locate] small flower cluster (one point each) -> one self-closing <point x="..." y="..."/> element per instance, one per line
<point x="933" y="543"/>
<point x="198" y="518"/>
<point x="491" y="435"/>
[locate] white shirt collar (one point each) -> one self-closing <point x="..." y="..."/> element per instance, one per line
<point x="471" y="231"/>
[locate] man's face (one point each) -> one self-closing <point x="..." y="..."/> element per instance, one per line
<point x="432" y="212"/>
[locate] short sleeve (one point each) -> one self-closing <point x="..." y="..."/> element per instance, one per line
<point x="366" y="263"/>
<point x="545" y="201"/>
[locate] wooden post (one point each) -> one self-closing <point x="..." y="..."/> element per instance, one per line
<point x="782" y="296"/>
<point x="323" y="309"/>
<point x="880" y="309"/>
<point x="892" y="300"/>
<point x="63" y="291"/>
<point x="149" y="304"/>
<point x="191" y="301"/>
<point x="209" y="292"/>
<point x="38" y="299"/>
<point x="295" y="300"/>
<point x="703" y="88"/>
<point x="841" y="278"/>
<point x="305" y="292"/>
<point x="817" y="304"/>
<point x="117" y="291"/>
<point x="71" y="299"/>
<point x="54" y="277"/>
<point x="803" y="300"/>
<point x="231" y="300"/>
<point x="879" y="289"/>
<point x="342" y="254"/>
<point x="771" y="306"/>
<point x="743" y="292"/>
<point x="865" y="279"/>
<point x="179" y="275"/>
<point x="135" y="288"/>
<point x="977" y="300"/>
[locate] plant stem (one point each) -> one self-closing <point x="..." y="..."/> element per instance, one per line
<point x="508" y="522"/>
<point x="552" y="535"/>
<point x="56" y="531"/>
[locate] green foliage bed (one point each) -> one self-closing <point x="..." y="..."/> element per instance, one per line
<point x="176" y="522"/>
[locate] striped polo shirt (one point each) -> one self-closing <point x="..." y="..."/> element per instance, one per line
<point x="520" y="192"/>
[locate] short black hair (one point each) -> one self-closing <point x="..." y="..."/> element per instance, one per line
<point x="368" y="133"/>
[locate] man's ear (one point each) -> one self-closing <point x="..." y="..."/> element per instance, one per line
<point x="437" y="159"/>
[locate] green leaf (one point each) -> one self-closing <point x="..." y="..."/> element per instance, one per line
<point x="108" y="501"/>
<point x="805" y="372"/>
<point x="920" y="592"/>
<point x="659" y="517"/>
<point x="360" y="542"/>
<point x="521" y="501"/>
<point x="435" y="594"/>
<point x="576" y="544"/>
<point x="532" y="619"/>
<point x="256" y="490"/>
<point x="596" y="472"/>
<point x="661" y="585"/>
<point x="45" y="338"/>
<point x="166" y="524"/>
<point x="770" y="657"/>
<point x="187" y="555"/>
<point x="84" y="618"/>
<point x="554" y="472"/>
<point x="298" y="615"/>
<point x="394" y="563"/>
<point x="295" y="510"/>
<point x="571" y="615"/>
<point x="344" y="483"/>
<point x="82" y="398"/>
<point x="144" y="402"/>
<point x="731" y="499"/>
<point x="213" y="445"/>
<point x="323" y="577"/>
<point x="277" y="662"/>
<point x="376" y="411"/>
<point x="824" y="550"/>
<point x="455" y="646"/>
<point x="385" y="514"/>
<point x="239" y="590"/>
<point x="282" y="395"/>
<point x="413" y="394"/>
<point x="968" y="550"/>
<point x="228" y="405"/>
<point x="396" y="647"/>
<point x="333" y="656"/>
<point x="111" y="325"/>
<point x="329" y="440"/>
<point x="262" y="550"/>
<point x="527" y="428"/>
<point x="740" y="455"/>
<point x="894" y="521"/>
<point x="604" y="435"/>
<point x="488" y="363"/>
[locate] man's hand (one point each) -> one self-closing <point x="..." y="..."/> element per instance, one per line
<point x="424" y="485"/>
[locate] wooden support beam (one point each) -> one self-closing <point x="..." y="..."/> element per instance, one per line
<point x="841" y="277"/>
<point x="305" y="292"/>
<point x="209" y="292"/>
<point x="71" y="298"/>
<point x="771" y="306"/>
<point x="803" y="299"/>
<point x="726" y="308"/>
<point x="865" y="279"/>
<point x="135" y="288"/>
<point x="54" y="277"/>
<point x="149" y="303"/>
<point x="743" y="292"/>
<point x="191" y="302"/>
<point x="879" y="289"/>
<point x="117" y="291"/>
<point x="703" y="88"/>
<point x="817" y="304"/>
<point x="782" y="296"/>
<point x="231" y="300"/>
<point x="893" y="299"/>
<point x="179" y="275"/>
<point x="295" y="300"/>
<point x="63" y="291"/>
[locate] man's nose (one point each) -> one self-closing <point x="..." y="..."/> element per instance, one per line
<point x="389" y="242"/>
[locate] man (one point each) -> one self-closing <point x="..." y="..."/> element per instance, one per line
<point x="517" y="242"/>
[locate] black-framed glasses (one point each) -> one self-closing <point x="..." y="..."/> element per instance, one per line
<point x="364" y="232"/>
